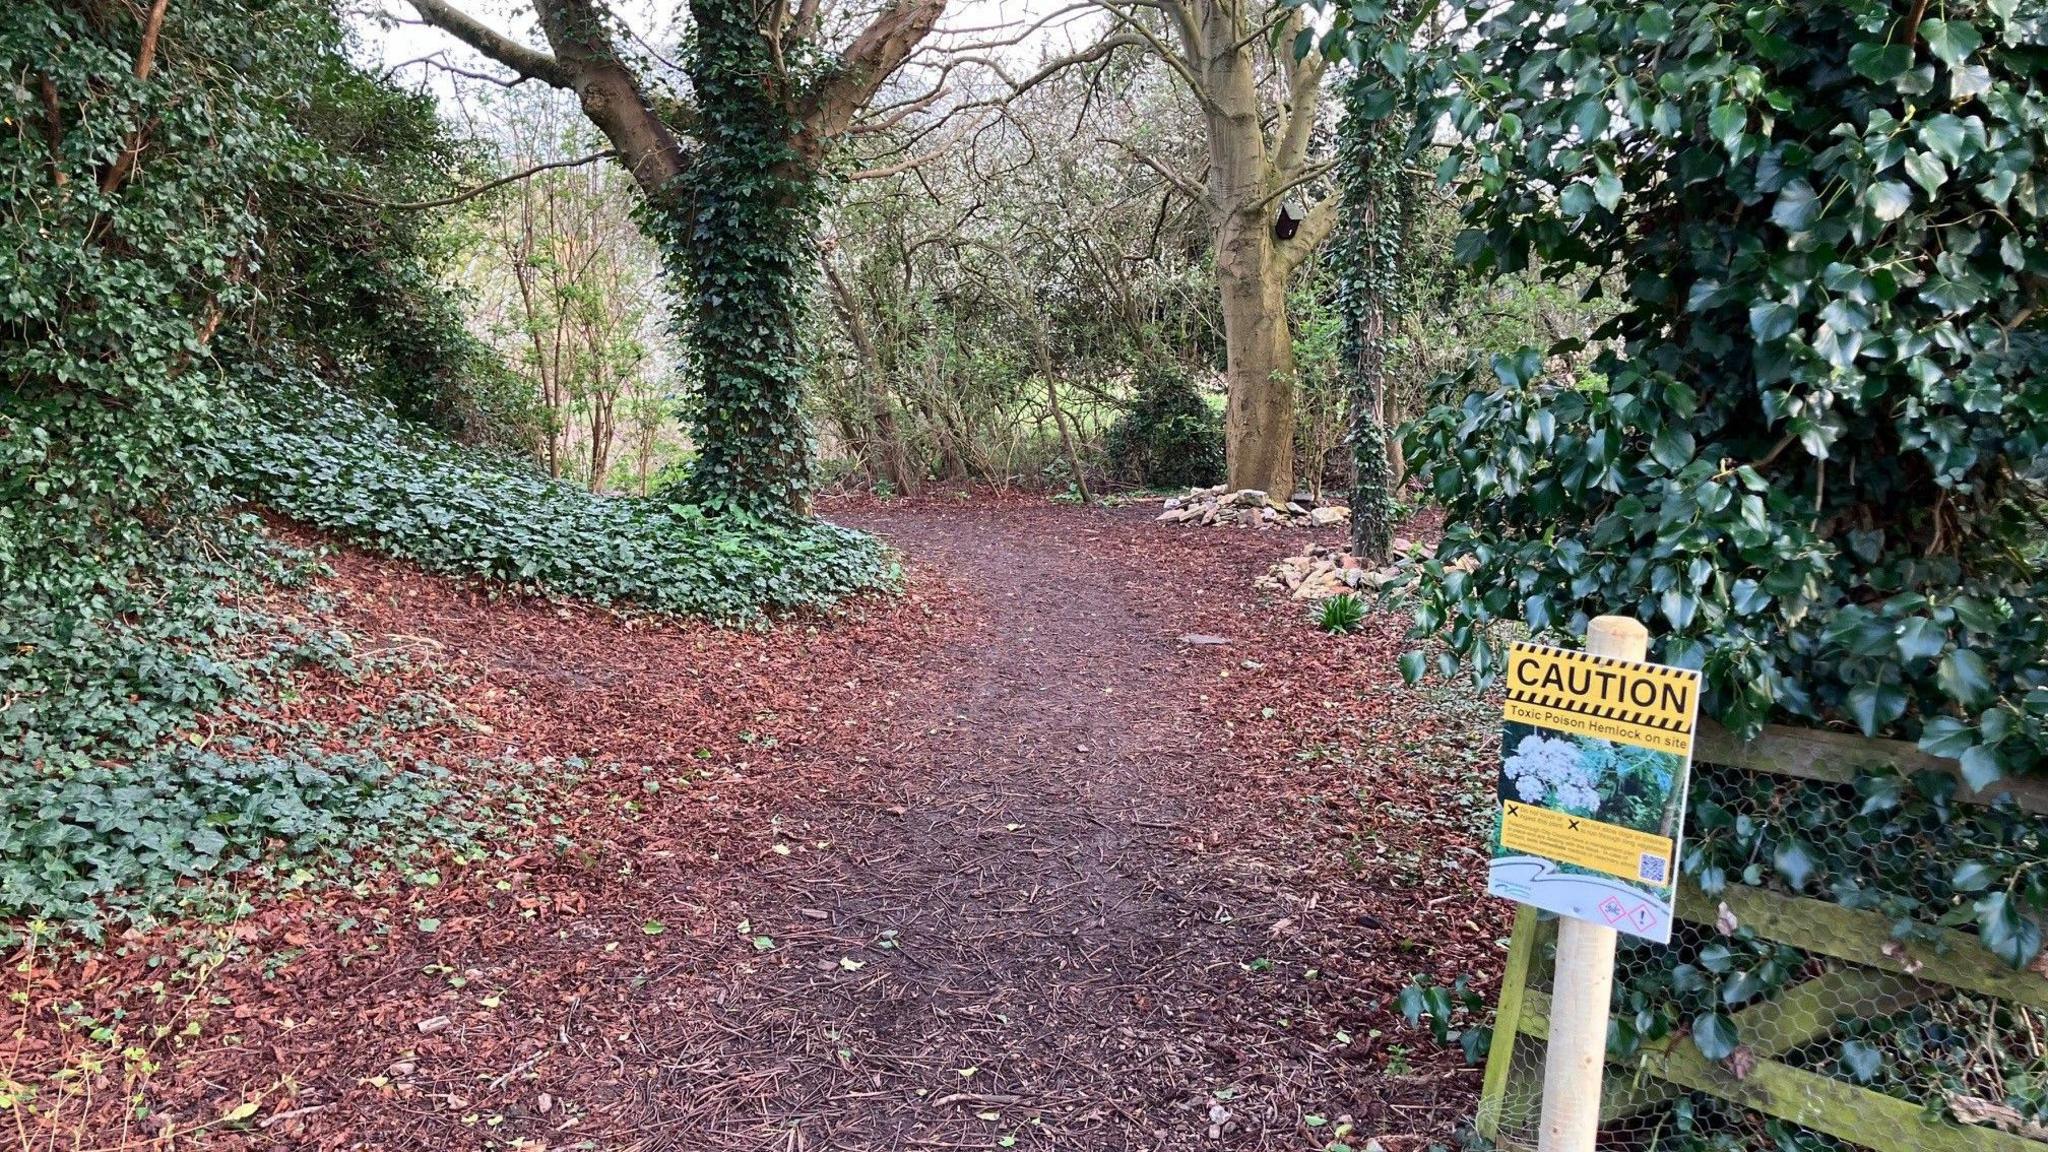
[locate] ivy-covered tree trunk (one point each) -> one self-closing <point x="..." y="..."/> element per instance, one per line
<point x="1368" y="256"/>
<point x="739" y="227"/>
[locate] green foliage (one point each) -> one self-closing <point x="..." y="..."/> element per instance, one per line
<point x="1341" y="614"/>
<point x="117" y="805"/>
<point x="353" y="288"/>
<point x="123" y="667"/>
<point x="1817" y="462"/>
<point x="1445" y="1007"/>
<point x="120" y="265"/>
<point x="134" y="287"/>
<point x="343" y="466"/>
<point x="132" y="840"/>
<point x="1171" y="437"/>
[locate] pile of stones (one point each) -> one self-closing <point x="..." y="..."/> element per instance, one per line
<point x="1321" y="571"/>
<point x="1250" y="508"/>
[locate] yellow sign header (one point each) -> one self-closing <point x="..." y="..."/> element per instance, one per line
<point x="1648" y="705"/>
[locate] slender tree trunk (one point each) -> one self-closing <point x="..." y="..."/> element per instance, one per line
<point x="1043" y="347"/>
<point x="889" y="457"/>
<point x="1371" y="273"/>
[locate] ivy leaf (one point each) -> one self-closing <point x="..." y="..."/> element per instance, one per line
<point x="1715" y="1036"/>
<point x="1412" y="664"/>
<point x="1797" y="207"/>
<point x="1981" y="766"/>
<point x="1927" y="171"/>
<point x="1947" y="736"/>
<point x="1973" y="876"/>
<point x="1794" y="862"/>
<point x="1951" y="41"/>
<point x="1861" y="1060"/>
<point x="1880" y="63"/>
<point x="1607" y="190"/>
<point x="1727" y="123"/>
<point x="1771" y="321"/>
<point x="1945" y="135"/>
<point x="1476" y="1042"/>
<point x="1673" y="448"/>
<point x="1874" y="705"/>
<point x="1408" y="1002"/>
<point x="1921" y="638"/>
<point x="1655" y="24"/>
<point x="1888" y="199"/>
<point x="2008" y="933"/>
<point x="1963" y="676"/>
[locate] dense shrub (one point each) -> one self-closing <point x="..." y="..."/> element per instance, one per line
<point x="116" y="273"/>
<point x="1818" y="465"/>
<point x="352" y="279"/>
<point x="1171" y="437"/>
<point x="343" y="465"/>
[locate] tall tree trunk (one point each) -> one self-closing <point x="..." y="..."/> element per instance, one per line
<point x="1258" y="425"/>
<point x="736" y="216"/>
<point x="1250" y="174"/>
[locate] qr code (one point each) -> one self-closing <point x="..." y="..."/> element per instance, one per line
<point x="1650" y="869"/>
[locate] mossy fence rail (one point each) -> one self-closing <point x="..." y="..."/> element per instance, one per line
<point x="1855" y="971"/>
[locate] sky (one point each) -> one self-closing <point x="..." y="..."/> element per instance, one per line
<point x="390" y="33"/>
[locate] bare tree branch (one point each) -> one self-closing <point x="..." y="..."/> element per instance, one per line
<point x="1160" y="48"/>
<point x="874" y="55"/>
<point x="528" y="62"/>
<point x="1304" y="89"/>
<point x="899" y="167"/>
<point x="471" y="193"/>
<point x="1305" y="176"/>
<point x="434" y="60"/>
<point x="1187" y="187"/>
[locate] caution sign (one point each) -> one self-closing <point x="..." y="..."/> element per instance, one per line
<point x="1595" y="756"/>
<point x="1648" y="705"/>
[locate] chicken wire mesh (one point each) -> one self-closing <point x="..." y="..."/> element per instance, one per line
<point x="1844" y="975"/>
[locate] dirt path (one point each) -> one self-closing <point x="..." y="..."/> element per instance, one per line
<point x="1028" y="942"/>
<point x="1026" y="859"/>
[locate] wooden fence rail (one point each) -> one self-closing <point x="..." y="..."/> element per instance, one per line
<point x="1889" y="976"/>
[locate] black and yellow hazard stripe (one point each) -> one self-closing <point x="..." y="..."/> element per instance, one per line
<point x="1649" y="704"/>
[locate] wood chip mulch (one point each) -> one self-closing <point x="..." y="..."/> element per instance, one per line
<point x="1025" y="858"/>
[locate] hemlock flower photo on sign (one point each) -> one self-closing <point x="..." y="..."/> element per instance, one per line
<point x="1589" y="776"/>
<point x="1587" y="823"/>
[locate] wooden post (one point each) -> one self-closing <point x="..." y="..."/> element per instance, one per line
<point x="1584" y="982"/>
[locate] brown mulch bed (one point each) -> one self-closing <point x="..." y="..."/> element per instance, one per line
<point x="1008" y="862"/>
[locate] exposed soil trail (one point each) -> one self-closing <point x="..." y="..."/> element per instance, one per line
<point x="1082" y="845"/>
<point x="1034" y="943"/>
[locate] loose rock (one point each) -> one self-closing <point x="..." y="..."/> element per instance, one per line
<point x="1249" y="508"/>
<point x="1320" y="572"/>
